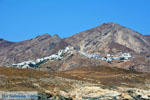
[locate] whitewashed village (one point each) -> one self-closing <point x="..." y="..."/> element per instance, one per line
<point x="59" y="56"/>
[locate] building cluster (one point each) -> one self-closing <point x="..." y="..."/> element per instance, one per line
<point x="32" y="63"/>
<point x="109" y="58"/>
<point x="60" y="54"/>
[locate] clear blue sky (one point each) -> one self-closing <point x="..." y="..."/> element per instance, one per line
<point x="25" y="19"/>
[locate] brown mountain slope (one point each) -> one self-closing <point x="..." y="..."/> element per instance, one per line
<point x="100" y="39"/>
<point x="147" y="37"/>
<point x="107" y="38"/>
<point x="101" y="82"/>
<point x="75" y="59"/>
<point x="4" y="43"/>
<point x="40" y="46"/>
<point x="70" y="61"/>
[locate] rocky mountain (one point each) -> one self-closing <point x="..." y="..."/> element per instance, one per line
<point x="97" y="64"/>
<point x="4" y="43"/>
<point x="40" y="46"/>
<point x="107" y="44"/>
<point x="109" y="38"/>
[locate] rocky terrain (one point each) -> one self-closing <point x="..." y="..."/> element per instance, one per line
<point x="83" y="83"/>
<point x="108" y="62"/>
<point x="69" y="58"/>
<point x="103" y="40"/>
<point x="40" y="46"/>
<point x="147" y="37"/>
<point x="109" y="38"/>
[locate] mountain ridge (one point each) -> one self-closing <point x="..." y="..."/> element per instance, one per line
<point x="111" y="32"/>
<point x="39" y="46"/>
<point x="108" y="38"/>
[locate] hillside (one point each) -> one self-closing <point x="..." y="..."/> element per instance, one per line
<point x="109" y="38"/>
<point x="40" y="46"/>
<point x="108" y="44"/>
<point x="147" y="37"/>
<point x="81" y="83"/>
